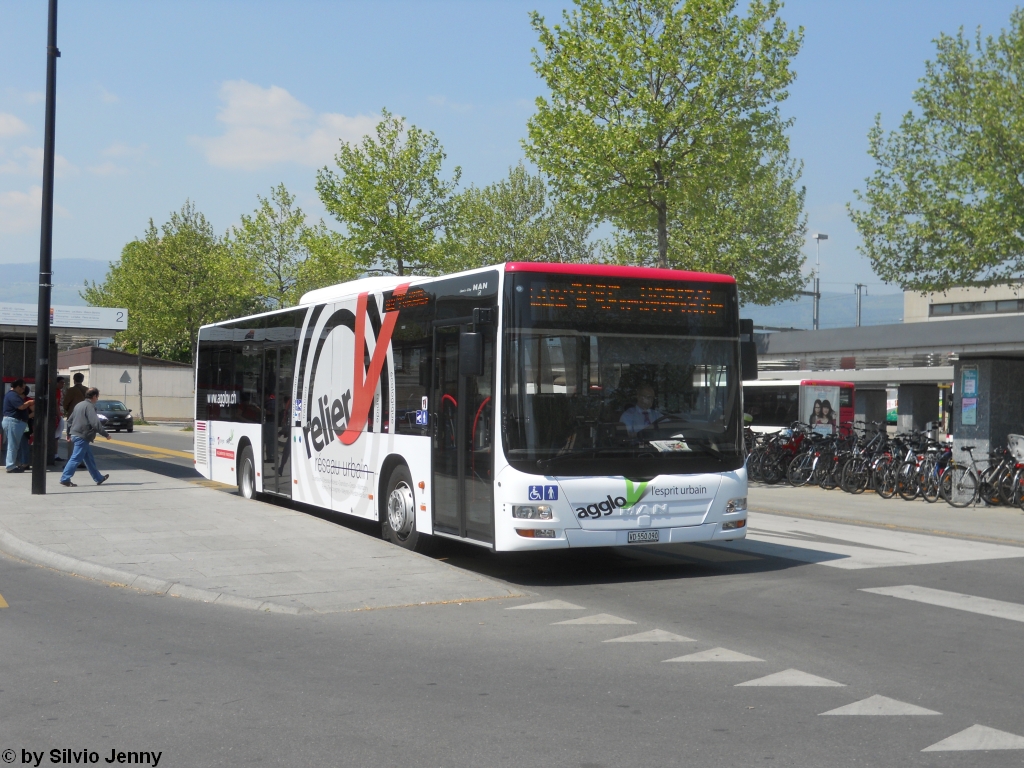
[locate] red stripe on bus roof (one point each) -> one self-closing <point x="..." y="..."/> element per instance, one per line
<point x="614" y="270"/>
<point x="826" y="383"/>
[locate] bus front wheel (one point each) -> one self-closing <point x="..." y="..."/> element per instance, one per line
<point x="247" y="474"/>
<point x="399" y="518"/>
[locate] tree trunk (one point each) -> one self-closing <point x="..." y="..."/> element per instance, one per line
<point x="663" y="235"/>
<point x="142" y="410"/>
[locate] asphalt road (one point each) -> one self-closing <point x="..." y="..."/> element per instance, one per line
<point x="87" y="666"/>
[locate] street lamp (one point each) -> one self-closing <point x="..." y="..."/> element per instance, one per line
<point x="818" y="237"/>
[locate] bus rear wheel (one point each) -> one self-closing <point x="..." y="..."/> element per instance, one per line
<point x="246" y="474"/>
<point x="399" y="514"/>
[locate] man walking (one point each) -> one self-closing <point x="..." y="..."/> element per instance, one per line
<point x="85" y="425"/>
<point x="15" y="422"/>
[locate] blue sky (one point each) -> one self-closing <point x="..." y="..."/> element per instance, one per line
<point x="218" y="101"/>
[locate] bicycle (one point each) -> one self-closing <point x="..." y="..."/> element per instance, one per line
<point x="959" y="482"/>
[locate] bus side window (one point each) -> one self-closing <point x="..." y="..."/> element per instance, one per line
<point x="411" y="349"/>
<point x="846" y="397"/>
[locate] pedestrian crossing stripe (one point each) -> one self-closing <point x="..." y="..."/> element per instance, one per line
<point x="598" y="618"/>
<point x="977" y="738"/>
<point x="793" y="678"/>
<point x="716" y="654"/>
<point x="881" y="706"/>
<point x="547" y="605"/>
<point x="653" y="636"/>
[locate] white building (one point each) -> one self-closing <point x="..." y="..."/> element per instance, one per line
<point x="167" y="386"/>
<point x="963" y="302"/>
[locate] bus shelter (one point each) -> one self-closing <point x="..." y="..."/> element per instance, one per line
<point x="69" y="326"/>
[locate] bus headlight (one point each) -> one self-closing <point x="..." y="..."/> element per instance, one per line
<point x="532" y="512"/>
<point x="732" y="506"/>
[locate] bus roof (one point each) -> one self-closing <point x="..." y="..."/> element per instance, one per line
<point x="390" y="282"/>
<point x="615" y="270"/>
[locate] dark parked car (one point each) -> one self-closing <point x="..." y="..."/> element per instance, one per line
<point x="114" y="415"/>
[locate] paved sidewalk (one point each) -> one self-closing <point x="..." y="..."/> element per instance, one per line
<point x="180" y="538"/>
<point x="1000" y="524"/>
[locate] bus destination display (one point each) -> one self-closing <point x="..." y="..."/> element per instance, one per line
<point x="647" y="301"/>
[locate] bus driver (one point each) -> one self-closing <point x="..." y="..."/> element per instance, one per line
<point x="641" y="415"/>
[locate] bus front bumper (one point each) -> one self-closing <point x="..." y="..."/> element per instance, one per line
<point x="691" y="533"/>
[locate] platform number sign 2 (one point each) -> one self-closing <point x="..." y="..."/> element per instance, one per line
<point x="543" y="493"/>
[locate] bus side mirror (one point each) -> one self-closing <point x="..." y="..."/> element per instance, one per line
<point x="748" y="351"/>
<point x="471" y="354"/>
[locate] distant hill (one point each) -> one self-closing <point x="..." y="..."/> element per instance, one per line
<point x="838" y="310"/>
<point x="21" y="283"/>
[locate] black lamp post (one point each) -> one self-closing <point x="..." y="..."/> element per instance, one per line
<point x="43" y="429"/>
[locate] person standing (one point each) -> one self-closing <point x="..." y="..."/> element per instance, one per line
<point x="85" y="425"/>
<point x="27" y="439"/>
<point x="15" y="421"/>
<point x="76" y="394"/>
<point x="58" y="420"/>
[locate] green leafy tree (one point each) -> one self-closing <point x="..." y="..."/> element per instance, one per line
<point x="127" y="285"/>
<point x="945" y="206"/>
<point x="172" y="281"/>
<point x="270" y="240"/>
<point x="286" y="255"/>
<point x="514" y="220"/>
<point x="748" y="229"/>
<point x="659" y="109"/>
<point x="329" y="261"/>
<point x="388" y="194"/>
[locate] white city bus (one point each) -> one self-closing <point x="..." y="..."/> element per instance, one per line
<point x="521" y="406"/>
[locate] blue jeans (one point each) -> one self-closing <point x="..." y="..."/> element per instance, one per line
<point x="14" y="433"/>
<point x="82" y="453"/>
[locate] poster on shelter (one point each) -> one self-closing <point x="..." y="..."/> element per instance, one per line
<point x="819" y="407"/>
<point x="970" y="380"/>
<point x="969" y="411"/>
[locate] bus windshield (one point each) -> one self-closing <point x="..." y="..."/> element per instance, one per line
<point x="598" y="383"/>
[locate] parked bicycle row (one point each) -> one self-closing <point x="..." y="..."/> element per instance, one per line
<point x="908" y="465"/>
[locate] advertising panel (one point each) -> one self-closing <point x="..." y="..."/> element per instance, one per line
<point x="819" y="407"/>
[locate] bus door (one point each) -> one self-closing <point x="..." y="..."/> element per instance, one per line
<point x="462" y="413"/>
<point x="278" y="366"/>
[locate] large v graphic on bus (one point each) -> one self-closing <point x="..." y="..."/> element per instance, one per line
<point x="364" y="382"/>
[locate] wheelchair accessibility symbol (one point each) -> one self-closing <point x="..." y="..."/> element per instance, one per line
<point x="543" y="493"/>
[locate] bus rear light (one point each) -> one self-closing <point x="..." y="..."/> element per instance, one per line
<point x="532" y="512"/>
<point x="536" y="533"/>
<point x="733" y="525"/>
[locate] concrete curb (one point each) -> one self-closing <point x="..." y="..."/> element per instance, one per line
<point x="37" y="555"/>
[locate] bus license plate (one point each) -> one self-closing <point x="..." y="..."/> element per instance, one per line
<point x="635" y="536"/>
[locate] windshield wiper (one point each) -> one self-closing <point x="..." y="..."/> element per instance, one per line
<point x="709" y="449"/>
<point x="590" y="453"/>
